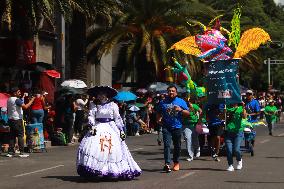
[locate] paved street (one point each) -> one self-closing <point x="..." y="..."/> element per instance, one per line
<point x="56" y="169"/>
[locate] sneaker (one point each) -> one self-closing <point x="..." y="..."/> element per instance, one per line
<point x="75" y="138"/>
<point x="159" y="143"/>
<point x="24" y="155"/>
<point x="215" y="158"/>
<point x="167" y="168"/>
<point x="137" y="134"/>
<point x="230" y="168"/>
<point x="197" y="154"/>
<point x="189" y="159"/>
<point x="176" y="167"/>
<point x="239" y="165"/>
<point x="270" y="133"/>
<point x="9" y="155"/>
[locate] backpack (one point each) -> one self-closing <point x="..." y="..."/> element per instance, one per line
<point x="58" y="139"/>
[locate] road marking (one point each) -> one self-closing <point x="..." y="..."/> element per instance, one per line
<point x="41" y="170"/>
<point x="186" y="175"/>
<point x="282" y="134"/>
<point x="264" y="141"/>
<point x="136" y="149"/>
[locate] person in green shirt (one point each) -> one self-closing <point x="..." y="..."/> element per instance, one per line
<point x="270" y="112"/>
<point x="234" y="134"/>
<point x="190" y="134"/>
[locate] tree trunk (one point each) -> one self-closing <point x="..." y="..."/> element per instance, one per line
<point x="78" y="56"/>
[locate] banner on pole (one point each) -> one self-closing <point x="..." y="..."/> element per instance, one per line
<point x="222" y="84"/>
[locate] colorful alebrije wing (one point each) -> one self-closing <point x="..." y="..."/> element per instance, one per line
<point x="235" y="35"/>
<point x="251" y="40"/>
<point x="187" y="45"/>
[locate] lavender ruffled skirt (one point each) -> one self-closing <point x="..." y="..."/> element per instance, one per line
<point x="105" y="155"/>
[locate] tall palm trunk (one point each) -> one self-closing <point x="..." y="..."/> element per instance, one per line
<point x="78" y="56"/>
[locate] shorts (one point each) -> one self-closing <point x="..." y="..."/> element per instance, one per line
<point x="216" y="130"/>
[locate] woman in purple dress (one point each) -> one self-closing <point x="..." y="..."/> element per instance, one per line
<point x="103" y="152"/>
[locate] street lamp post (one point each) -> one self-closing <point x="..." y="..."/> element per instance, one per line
<point x="269" y="62"/>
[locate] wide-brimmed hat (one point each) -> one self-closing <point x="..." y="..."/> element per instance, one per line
<point x="109" y="91"/>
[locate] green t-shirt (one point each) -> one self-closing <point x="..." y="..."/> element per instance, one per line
<point x="234" y="122"/>
<point x="193" y="117"/>
<point x="272" y="111"/>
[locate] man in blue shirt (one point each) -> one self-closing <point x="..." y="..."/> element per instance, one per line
<point x="252" y="108"/>
<point x="170" y="112"/>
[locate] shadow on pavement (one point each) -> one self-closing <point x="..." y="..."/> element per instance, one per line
<point x="147" y="153"/>
<point x="206" y="169"/>
<point x="275" y="157"/>
<point x="258" y="182"/>
<point x="160" y="158"/>
<point x="150" y="145"/>
<point x="153" y="170"/>
<point x="79" y="179"/>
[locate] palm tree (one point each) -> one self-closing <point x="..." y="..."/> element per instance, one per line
<point x="145" y="31"/>
<point x="24" y="17"/>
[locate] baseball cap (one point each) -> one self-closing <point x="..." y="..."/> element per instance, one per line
<point x="271" y="101"/>
<point x="44" y="93"/>
<point x="249" y="92"/>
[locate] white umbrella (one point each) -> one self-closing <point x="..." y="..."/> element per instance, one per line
<point x="74" y="83"/>
<point x="134" y="108"/>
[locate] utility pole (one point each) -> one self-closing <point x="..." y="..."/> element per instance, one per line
<point x="60" y="47"/>
<point x="269" y="62"/>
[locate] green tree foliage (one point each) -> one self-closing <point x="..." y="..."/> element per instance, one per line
<point x="146" y="30"/>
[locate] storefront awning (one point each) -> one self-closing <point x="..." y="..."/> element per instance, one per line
<point x="52" y="73"/>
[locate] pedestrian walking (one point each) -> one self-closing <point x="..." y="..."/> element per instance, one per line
<point x="234" y="134"/>
<point x="15" y="106"/>
<point x="214" y="114"/>
<point x="252" y="108"/>
<point x="190" y="133"/>
<point x="270" y="112"/>
<point x="103" y="152"/>
<point x="170" y="113"/>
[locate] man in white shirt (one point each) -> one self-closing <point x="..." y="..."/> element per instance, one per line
<point x="15" y="106"/>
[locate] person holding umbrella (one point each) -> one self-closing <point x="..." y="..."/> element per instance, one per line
<point x="103" y="152"/>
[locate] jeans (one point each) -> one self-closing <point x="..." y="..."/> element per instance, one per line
<point x="16" y="130"/>
<point x="159" y="130"/>
<point x="192" y="141"/>
<point x="135" y="127"/>
<point x="175" y="135"/>
<point x="37" y="116"/>
<point x="233" y="141"/>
